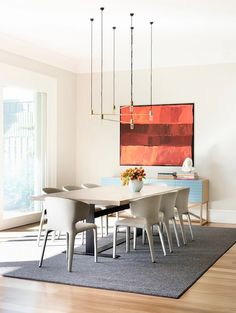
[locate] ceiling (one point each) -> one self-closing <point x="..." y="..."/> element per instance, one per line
<point x="57" y="32"/>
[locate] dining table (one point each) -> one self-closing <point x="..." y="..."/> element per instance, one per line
<point x="113" y="198"/>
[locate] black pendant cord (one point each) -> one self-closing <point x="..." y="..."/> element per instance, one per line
<point x="151" y="76"/>
<point x="91" y="69"/>
<point x="102" y="9"/>
<point x="131" y="59"/>
<point x="131" y="72"/>
<point x="114" y="68"/>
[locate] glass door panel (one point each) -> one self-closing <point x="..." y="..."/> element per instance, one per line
<point x="22" y="151"/>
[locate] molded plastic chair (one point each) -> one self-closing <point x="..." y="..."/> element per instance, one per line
<point x="43" y="219"/>
<point x="71" y="187"/>
<point x="48" y="190"/>
<point x="64" y="215"/>
<point x="99" y="208"/>
<point x="89" y="185"/>
<point x="168" y="201"/>
<point x="181" y="206"/>
<point x="145" y="214"/>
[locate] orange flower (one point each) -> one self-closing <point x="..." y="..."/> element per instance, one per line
<point x="131" y="174"/>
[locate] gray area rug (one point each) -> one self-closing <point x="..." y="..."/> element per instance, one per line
<point x="170" y="276"/>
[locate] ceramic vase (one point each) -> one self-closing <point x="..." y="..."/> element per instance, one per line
<point x="135" y="185"/>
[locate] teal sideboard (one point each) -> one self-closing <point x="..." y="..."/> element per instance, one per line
<point x="198" y="197"/>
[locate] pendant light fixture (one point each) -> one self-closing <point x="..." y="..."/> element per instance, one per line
<point x="110" y="116"/>
<point x="151" y="103"/>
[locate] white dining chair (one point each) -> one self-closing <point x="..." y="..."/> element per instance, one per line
<point x="181" y="207"/>
<point x="145" y="214"/>
<point x="43" y="218"/>
<point x="99" y="208"/>
<point x="150" y="184"/>
<point x="71" y="187"/>
<point x="65" y="215"/>
<point x="88" y="185"/>
<point x="167" y="208"/>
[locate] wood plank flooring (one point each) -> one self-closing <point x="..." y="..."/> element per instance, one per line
<point x="214" y="292"/>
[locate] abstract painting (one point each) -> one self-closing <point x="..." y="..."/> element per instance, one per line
<point x="167" y="139"/>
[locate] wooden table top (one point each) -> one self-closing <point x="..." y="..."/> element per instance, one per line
<point x="110" y="195"/>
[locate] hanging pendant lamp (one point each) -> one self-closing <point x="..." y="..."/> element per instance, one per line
<point x="131" y="114"/>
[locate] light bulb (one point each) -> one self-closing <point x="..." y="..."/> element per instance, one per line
<point x="131" y="124"/>
<point x="150" y="115"/>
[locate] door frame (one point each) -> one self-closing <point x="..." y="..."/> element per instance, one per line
<point x="21" y="78"/>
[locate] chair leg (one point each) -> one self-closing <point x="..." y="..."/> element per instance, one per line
<point x="117" y="218"/>
<point x="135" y="237"/>
<point x="128" y="239"/>
<point x="150" y="241"/>
<point x="143" y="237"/>
<point x="168" y="234"/>
<point x="182" y="228"/>
<point x="83" y="234"/>
<point x="44" y="246"/>
<point x="161" y="238"/>
<point x="41" y="226"/>
<point x="162" y="227"/>
<point x="95" y="243"/>
<point x="114" y="241"/>
<point x="53" y="236"/>
<point x="67" y="246"/>
<point x="190" y="225"/>
<point x="175" y="230"/>
<point x="83" y="237"/>
<point x="106" y="225"/>
<point x="71" y="251"/>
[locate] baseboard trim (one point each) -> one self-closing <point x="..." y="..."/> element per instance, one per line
<point x="222" y="216"/>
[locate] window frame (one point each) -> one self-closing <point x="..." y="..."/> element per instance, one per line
<point x="21" y="78"/>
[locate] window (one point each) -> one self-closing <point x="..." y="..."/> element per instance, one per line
<point x="28" y="148"/>
<point x="23" y="150"/>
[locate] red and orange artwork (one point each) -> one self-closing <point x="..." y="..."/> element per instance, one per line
<point x="165" y="140"/>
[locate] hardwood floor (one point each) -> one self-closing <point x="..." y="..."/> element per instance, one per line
<point x="214" y="292"/>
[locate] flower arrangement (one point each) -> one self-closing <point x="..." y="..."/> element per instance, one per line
<point x="131" y="174"/>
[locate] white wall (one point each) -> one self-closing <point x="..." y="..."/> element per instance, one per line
<point x="66" y="112"/>
<point x="211" y="88"/>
